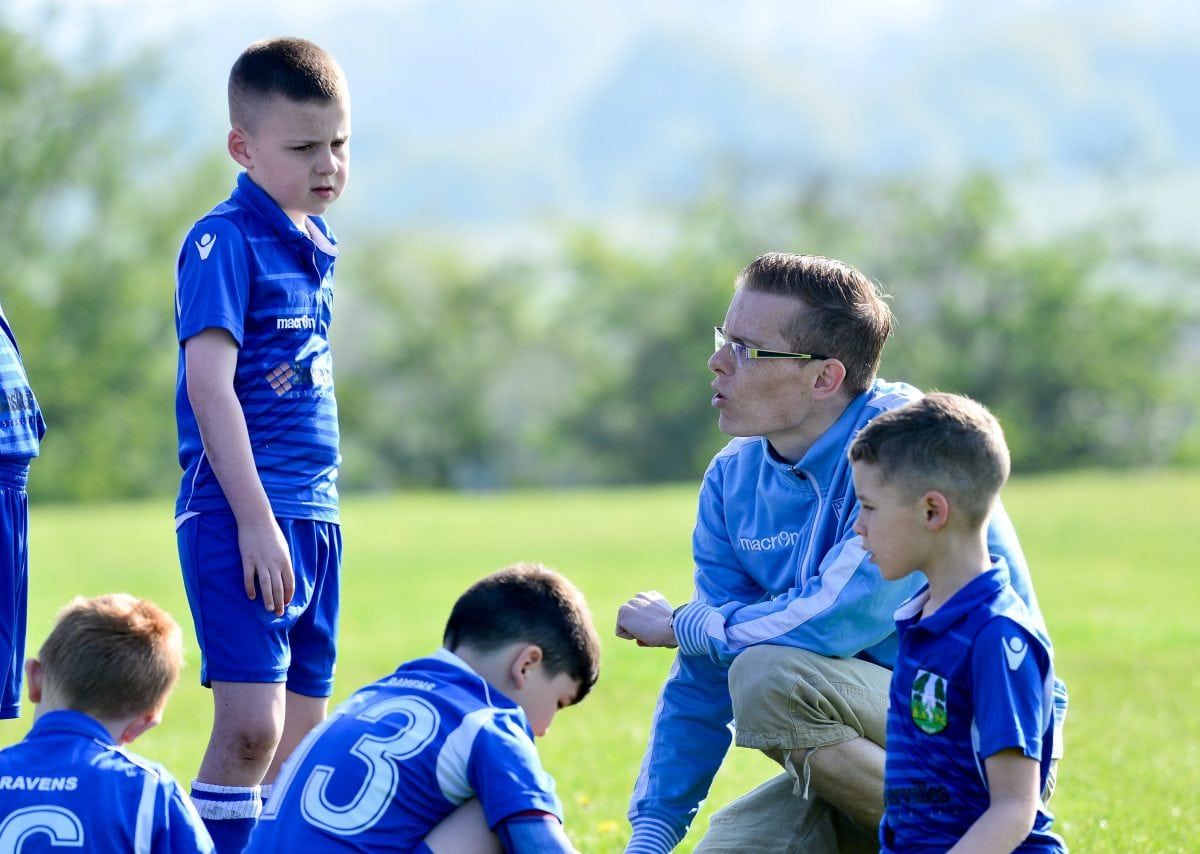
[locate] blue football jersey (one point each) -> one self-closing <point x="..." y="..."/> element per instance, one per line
<point x="247" y="269"/>
<point x="67" y="786"/>
<point x="972" y="679"/>
<point x="21" y="423"/>
<point x="398" y="757"/>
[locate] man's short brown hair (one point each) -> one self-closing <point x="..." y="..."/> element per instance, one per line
<point x="529" y="603"/>
<point x="846" y="317"/>
<point x="112" y="656"/>
<point x="944" y="442"/>
<point x="295" y="68"/>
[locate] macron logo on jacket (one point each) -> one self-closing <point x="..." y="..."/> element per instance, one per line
<point x="782" y="540"/>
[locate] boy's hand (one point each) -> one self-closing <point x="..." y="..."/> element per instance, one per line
<point x="646" y="618"/>
<point x="265" y="557"/>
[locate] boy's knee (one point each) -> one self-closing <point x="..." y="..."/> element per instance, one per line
<point x="254" y="745"/>
<point x="251" y="738"/>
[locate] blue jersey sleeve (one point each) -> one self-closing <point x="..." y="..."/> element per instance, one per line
<point x="534" y="834"/>
<point x="1012" y="688"/>
<point x="179" y="828"/>
<point x="507" y="774"/>
<point x="213" y="286"/>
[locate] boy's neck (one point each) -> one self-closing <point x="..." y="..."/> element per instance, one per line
<point x="493" y="666"/>
<point x="115" y="728"/>
<point x="960" y="558"/>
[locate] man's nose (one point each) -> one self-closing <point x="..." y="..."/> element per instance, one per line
<point x="721" y="361"/>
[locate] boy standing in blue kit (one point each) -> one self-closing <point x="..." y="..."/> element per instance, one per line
<point x="21" y="431"/>
<point x="257" y="513"/>
<point x="970" y="724"/>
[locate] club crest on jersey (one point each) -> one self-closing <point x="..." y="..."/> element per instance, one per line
<point x="929" y="702"/>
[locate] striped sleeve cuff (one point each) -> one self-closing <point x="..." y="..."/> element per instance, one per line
<point x="689" y="627"/>
<point x="653" y="836"/>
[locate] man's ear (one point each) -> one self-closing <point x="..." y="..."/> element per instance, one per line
<point x="238" y="144"/>
<point x="527" y="656"/>
<point x="140" y="724"/>
<point x="935" y="510"/>
<point x="33" y="679"/>
<point x="828" y="381"/>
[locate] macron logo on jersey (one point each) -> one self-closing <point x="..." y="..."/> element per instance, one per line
<point x="304" y="322"/>
<point x="1015" y="650"/>
<point x="205" y="244"/>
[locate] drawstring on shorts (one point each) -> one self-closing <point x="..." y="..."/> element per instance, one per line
<point x="804" y="777"/>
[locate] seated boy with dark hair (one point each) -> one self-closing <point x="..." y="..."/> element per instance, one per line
<point x="446" y="742"/>
<point x="970" y="725"/>
<point x="101" y="680"/>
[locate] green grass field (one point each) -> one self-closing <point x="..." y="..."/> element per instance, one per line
<point x="1118" y="580"/>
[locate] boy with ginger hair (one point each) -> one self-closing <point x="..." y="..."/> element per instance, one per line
<point x="101" y="679"/>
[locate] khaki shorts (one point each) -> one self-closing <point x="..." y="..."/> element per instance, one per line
<point x="787" y="699"/>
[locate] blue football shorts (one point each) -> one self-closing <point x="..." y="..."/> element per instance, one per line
<point x="240" y="640"/>
<point x="14" y="584"/>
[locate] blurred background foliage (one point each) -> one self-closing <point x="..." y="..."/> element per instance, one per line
<point x="579" y="357"/>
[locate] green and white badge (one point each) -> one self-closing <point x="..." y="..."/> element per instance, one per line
<point x="929" y="702"/>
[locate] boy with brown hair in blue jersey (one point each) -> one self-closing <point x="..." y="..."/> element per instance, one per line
<point x="257" y="513"/>
<point x="970" y="722"/>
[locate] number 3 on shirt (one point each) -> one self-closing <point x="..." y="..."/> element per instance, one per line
<point x="380" y="753"/>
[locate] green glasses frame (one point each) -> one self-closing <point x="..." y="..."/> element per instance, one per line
<point x="742" y="354"/>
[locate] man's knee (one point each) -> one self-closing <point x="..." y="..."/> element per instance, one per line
<point x="760" y="686"/>
<point x="791" y="698"/>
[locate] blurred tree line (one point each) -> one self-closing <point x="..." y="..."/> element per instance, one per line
<point x="578" y="358"/>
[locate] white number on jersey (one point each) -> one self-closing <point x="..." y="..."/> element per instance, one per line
<point x="380" y="754"/>
<point x="61" y="825"/>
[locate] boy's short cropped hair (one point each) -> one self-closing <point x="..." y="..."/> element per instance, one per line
<point x="529" y="602"/>
<point x="295" y="68"/>
<point x="113" y="656"/>
<point x="847" y="317"/>
<point x="944" y="442"/>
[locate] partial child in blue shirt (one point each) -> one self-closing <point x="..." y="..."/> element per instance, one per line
<point x="100" y="680"/>
<point x="439" y="755"/>
<point x="257" y="513"/>
<point x="21" y="431"/>
<point x="970" y="725"/>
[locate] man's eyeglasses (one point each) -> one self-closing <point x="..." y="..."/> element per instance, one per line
<point x="743" y="354"/>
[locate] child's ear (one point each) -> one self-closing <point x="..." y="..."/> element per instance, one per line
<point x="140" y="724"/>
<point x="935" y="510"/>
<point x="238" y="147"/>
<point x="33" y="679"/>
<point x="529" y="655"/>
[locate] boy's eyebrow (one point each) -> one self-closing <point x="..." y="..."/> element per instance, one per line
<point x="315" y="140"/>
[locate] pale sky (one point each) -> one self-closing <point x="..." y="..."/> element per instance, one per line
<point x="593" y="107"/>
